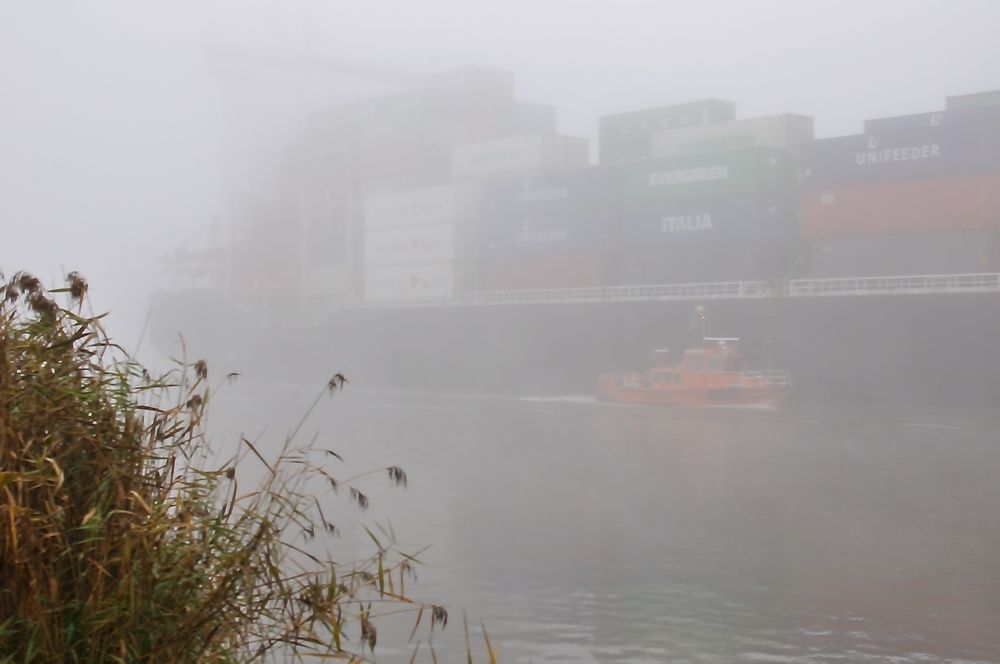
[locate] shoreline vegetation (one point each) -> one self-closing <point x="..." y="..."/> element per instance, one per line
<point x="122" y="541"/>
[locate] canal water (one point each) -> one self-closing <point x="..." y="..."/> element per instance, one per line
<point x="586" y="532"/>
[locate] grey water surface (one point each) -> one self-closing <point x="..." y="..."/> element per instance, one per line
<point x="586" y="532"/>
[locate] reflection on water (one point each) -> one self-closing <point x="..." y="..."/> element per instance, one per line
<point x="583" y="532"/>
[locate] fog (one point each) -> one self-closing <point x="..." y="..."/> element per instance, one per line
<point x="304" y="187"/>
<point x="113" y="123"/>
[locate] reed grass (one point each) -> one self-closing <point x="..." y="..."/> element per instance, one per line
<point x="119" y="543"/>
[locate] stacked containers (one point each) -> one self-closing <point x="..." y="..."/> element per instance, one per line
<point x="988" y="98"/>
<point x="627" y="137"/>
<point x="411" y="245"/>
<point x="710" y="217"/>
<point x="267" y="252"/>
<point x="327" y="219"/>
<point x="406" y="139"/>
<point x="787" y="132"/>
<point x="915" y="191"/>
<point x="545" y="231"/>
<point x="519" y="155"/>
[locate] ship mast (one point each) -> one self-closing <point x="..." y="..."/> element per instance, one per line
<point x="699" y="325"/>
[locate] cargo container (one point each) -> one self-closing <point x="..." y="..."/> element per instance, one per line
<point x="892" y="208"/>
<point x="697" y="221"/>
<point x="899" y="255"/>
<point x="410" y="282"/>
<point x="968" y="115"/>
<point x="267" y="252"/>
<point x="741" y="172"/>
<point x="627" y="136"/>
<point x="584" y="270"/>
<point x="328" y="221"/>
<point x="520" y="155"/>
<point x="584" y="188"/>
<point x="645" y="264"/>
<point x="988" y="98"/>
<point x="405" y="139"/>
<point x="928" y="153"/>
<point x="414" y="207"/>
<point x="555" y="234"/>
<point x="417" y="244"/>
<point x="991" y="200"/>
<point x="546" y="215"/>
<point x="787" y="132"/>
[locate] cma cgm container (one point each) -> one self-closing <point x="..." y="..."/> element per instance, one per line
<point x="698" y="221"/>
<point x="781" y="132"/>
<point x="627" y="136"/>
<point x="976" y="99"/>
<point x="414" y="207"/>
<point x="900" y="255"/>
<point x="892" y="208"/>
<point x="741" y="172"/>
<point x="915" y="154"/>
<point x="969" y="115"/>
<point x="519" y="155"/>
<point x="545" y="215"/>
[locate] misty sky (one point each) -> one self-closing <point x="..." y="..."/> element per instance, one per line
<point x="109" y="148"/>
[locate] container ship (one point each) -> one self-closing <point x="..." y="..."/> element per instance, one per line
<point x="445" y="237"/>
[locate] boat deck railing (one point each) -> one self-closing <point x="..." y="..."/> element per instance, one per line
<point x="922" y="284"/>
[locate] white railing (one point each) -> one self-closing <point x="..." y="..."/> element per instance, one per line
<point x="896" y="285"/>
<point x="903" y="285"/>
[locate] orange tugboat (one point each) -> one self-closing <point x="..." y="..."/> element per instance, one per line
<point x="712" y="375"/>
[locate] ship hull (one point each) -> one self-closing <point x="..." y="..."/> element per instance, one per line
<point x="881" y="351"/>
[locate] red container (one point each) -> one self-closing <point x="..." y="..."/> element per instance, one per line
<point x="539" y="273"/>
<point x="267" y="265"/>
<point x="991" y="199"/>
<point x="915" y="206"/>
<point x="898" y="255"/>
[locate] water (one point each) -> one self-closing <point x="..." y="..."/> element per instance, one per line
<point x="583" y="532"/>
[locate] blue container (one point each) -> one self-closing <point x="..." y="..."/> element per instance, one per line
<point x="971" y="115"/>
<point x="991" y="146"/>
<point x="545" y="215"/>
<point x="912" y="154"/>
<point x="567" y="190"/>
<point x="700" y="221"/>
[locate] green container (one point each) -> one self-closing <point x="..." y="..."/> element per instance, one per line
<point x="741" y="172"/>
<point x="628" y="136"/>
<point x="719" y="144"/>
<point x="976" y="99"/>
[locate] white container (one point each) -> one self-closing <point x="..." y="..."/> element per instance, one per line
<point x="410" y="282"/>
<point x="785" y="132"/>
<point x="414" y="207"/>
<point x="419" y="244"/>
<point x="519" y="155"/>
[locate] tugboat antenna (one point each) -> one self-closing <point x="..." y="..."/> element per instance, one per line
<point x="699" y="324"/>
